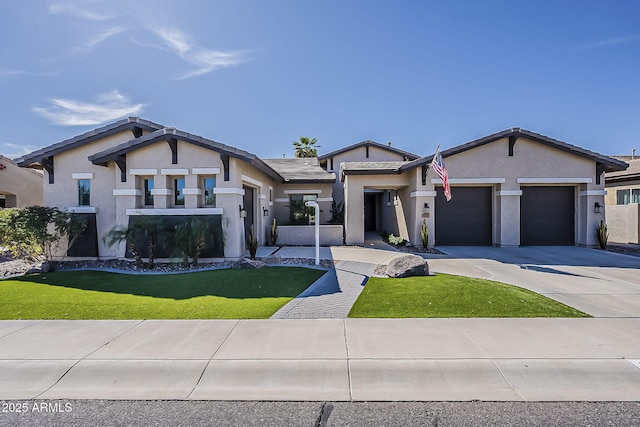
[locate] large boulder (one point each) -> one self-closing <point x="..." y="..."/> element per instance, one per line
<point x="407" y="266"/>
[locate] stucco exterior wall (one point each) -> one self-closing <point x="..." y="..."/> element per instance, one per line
<point x="63" y="193"/>
<point x="623" y="223"/>
<point x="533" y="164"/>
<point x="358" y="154"/>
<point x="194" y="164"/>
<point x="20" y="187"/>
<point x="304" y="235"/>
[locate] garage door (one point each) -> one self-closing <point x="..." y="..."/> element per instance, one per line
<point x="465" y="220"/>
<point x="547" y="216"/>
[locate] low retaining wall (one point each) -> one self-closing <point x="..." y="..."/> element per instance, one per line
<point x="305" y="235"/>
<point x="623" y="223"/>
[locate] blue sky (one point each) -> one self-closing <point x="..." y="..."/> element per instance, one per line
<point x="258" y="74"/>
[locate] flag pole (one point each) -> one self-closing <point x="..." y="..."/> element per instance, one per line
<point x="432" y="159"/>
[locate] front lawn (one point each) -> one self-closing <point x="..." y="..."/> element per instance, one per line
<point x="453" y="296"/>
<point x="220" y="294"/>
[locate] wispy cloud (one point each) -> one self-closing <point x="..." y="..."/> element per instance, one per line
<point x="14" y="151"/>
<point x="91" y="44"/>
<point x="73" y="10"/>
<point x="71" y="112"/>
<point x="610" y="42"/>
<point x="205" y="60"/>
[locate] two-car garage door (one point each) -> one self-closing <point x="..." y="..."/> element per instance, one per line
<point x="546" y="216"/>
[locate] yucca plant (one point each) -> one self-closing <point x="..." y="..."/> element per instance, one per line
<point x="252" y="242"/>
<point x="424" y="233"/>
<point x="603" y="234"/>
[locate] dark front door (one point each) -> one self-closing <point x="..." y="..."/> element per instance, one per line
<point x="547" y="216"/>
<point x="465" y="220"/>
<point x="247" y="204"/>
<point x="369" y="212"/>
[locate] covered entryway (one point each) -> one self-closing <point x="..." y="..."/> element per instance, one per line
<point x="547" y="216"/>
<point x="465" y="220"/>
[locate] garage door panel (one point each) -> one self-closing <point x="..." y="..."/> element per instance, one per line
<point x="465" y="220"/>
<point x="547" y="216"/>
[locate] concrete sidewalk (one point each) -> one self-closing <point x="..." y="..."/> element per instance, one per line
<point x="323" y="360"/>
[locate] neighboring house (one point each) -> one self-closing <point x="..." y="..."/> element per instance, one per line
<point x="19" y="187"/>
<point x="622" y="202"/>
<point x="116" y="174"/>
<point x="511" y="188"/>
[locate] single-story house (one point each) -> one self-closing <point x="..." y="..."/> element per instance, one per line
<point x="19" y="187"/>
<point x="623" y="202"/>
<point x="511" y="188"/>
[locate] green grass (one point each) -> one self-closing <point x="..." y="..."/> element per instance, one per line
<point x="220" y="294"/>
<point x="453" y="296"/>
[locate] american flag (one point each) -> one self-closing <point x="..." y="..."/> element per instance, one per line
<point x="438" y="165"/>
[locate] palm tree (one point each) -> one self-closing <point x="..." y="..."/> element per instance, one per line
<point x="306" y="147"/>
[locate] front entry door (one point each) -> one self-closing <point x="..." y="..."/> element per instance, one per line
<point x="369" y="212"/>
<point x="247" y="204"/>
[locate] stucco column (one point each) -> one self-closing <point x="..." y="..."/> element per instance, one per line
<point x="424" y="209"/>
<point x="232" y="224"/>
<point x="354" y="211"/>
<point x="588" y="219"/>
<point x="508" y="220"/>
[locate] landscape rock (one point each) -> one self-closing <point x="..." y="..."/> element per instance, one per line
<point x="252" y="263"/>
<point x="407" y="266"/>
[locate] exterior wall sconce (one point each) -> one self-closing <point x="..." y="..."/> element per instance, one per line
<point x="265" y="212"/>
<point x="243" y="212"/>
<point x="425" y="209"/>
<point x="597" y="208"/>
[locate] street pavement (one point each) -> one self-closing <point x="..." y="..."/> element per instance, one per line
<point x="342" y="360"/>
<point x="80" y="413"/>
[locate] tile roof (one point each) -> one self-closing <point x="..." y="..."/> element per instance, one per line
<point x="610" y="164"/>
<point x="129" y="123"/>
<point x="167" y="134"/>
<point x="369" y="143"/>
<point x="301" y="170"/>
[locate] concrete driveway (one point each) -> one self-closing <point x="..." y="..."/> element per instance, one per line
<point x="600" y="283"/>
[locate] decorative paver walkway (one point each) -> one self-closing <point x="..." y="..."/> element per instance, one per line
<point x="331" y="296"/>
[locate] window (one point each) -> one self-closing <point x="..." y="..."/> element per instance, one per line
<point x="84" y="192"/>
<point x="148" y="197"/>
<point x="209" y="195"/>
<point x="301" y="214"/>
<point x="178" y="198"/>
<point x="624" y="197"/>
